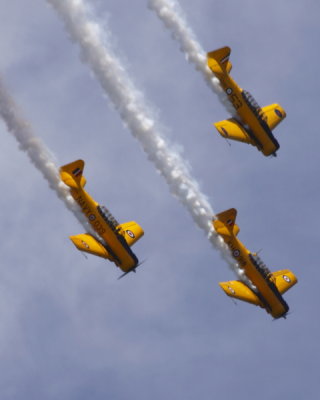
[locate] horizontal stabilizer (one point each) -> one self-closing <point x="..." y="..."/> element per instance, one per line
<point x="275" y="114"/>
<point x="224" y="224"/>
<point x="71" y="174"/>
<point x="218" y="60"/>
<point x="132" y="231"/>
<point x="232" y="129"/>
<point x="240" y="291"/>
<point x="285" y="279"/>
<point x="89" y="244"/>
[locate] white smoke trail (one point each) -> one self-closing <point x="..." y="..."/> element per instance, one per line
<point x="37" y="152"/>
<point x="170" y="12"/>
<point x="111" y="74"/>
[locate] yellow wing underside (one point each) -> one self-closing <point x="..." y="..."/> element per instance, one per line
<point x="232" y="129"/>
<point x="132" y="232"/>
<point x="87" y="243"/>
<point x="284" y="280"/>
<point x="274" y="114"/>
<point x="240" y="291"/>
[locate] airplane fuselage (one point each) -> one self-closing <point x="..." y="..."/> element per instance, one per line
<point x="268" y="294"/>
<point x="115" y="244"/>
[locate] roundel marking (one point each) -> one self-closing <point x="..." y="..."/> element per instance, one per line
<point x="130" y="233"/>
<point x="236" y="253"/>
<point x="92" y="217"/>
<point x="229" y="90"/>
<point x="286" y="278"/>
<point x="231" y="290"/>
<point x="85" y="244"/>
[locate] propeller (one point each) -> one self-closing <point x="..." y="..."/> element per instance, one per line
<point x="133" y="269"/>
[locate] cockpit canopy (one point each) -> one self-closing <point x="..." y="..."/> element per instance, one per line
<point x="254" y="106"/>
<point x="108" y="217"/>
<point x="261" y="266"/>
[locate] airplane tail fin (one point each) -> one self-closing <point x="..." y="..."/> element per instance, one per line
<point x="284" y="280"/>
<point x="71" y="174"/>
<point x="133" y="232"/>
<point x="87" y="243"/>
<point x="218" y="60"/>
<point x="275" y="114"/>
<point x="224" y="224"/>
<point x="238" y="290"/>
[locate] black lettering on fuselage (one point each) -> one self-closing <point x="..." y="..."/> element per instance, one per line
<point x="236" y="102"/>
<point x="87" y="211"/>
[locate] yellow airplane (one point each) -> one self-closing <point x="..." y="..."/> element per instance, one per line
<point x="255" y="124"/>
<point x="113" y="240"/>
<point x="269" y="286"/>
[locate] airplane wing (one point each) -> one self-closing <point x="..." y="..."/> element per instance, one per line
<point x="275" y="114"/>
<point x="87" y="243"/>
<point x="132" y="230"/>
<point x="231" y="129"/>
<point x="240" y="291"/>
<point x="285" y="279"/>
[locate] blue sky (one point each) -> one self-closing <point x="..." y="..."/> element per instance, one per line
<point x="69" y="329"/>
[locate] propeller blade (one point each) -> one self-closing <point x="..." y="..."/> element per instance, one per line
<point x="131" y="270"/>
